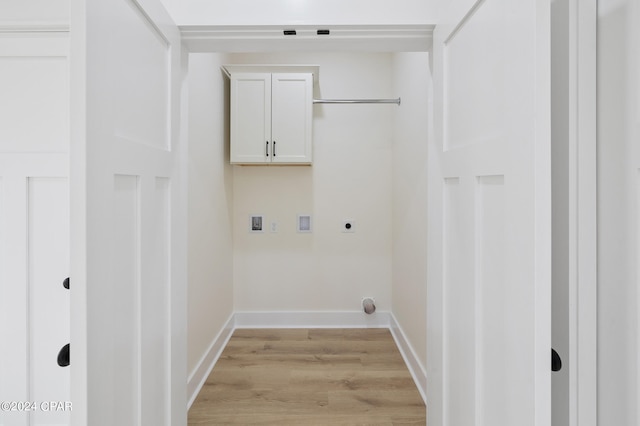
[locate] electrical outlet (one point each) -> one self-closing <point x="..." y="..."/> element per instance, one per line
<point x="274" y="227"/>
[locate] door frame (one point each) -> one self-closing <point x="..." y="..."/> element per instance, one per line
<point x="583" y="244"/>
<point x="582" y="213"/>
<point x="582" y="163"/>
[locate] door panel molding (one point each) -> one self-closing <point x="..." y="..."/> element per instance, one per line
<point x="128" y="192"/>
<point x="34" y="221"/>
<point x="490" y="187"/>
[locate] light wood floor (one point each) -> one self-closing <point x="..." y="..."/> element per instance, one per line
<point x="309" y="377"/>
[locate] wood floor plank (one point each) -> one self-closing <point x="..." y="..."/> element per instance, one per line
<point x="309" y="377"/>
<point x="351" y="379"/>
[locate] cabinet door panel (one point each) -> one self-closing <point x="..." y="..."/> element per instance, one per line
<point x="291" y="115"/>
<point x="251" y="118"/>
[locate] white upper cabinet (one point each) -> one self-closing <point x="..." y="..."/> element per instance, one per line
<point x="250" y="118"/>
<point x="271" y="118"/>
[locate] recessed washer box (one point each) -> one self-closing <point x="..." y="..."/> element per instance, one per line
<point x="256" y="223"/>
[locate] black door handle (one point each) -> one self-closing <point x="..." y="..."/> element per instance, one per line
<point x="556" y="362"/>
<point x="64" y="357"/>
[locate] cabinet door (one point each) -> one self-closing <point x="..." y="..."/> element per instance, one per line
<point x="291" y="118"/>
<point x="251" y="118"/>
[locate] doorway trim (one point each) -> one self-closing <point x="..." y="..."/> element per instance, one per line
<point x="271" y="38"/>
<point x="583" y="213"/>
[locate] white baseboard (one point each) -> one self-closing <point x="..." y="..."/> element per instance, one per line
<point x="413" y="364"/>
<point x="348" y="319"/>
<point x="199" y="375"/>
<point x="342" y="319"/>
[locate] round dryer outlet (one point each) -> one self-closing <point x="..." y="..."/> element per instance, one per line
<point x="348" y="226"/>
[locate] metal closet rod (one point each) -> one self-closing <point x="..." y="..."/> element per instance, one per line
<point x="357" y="101"/>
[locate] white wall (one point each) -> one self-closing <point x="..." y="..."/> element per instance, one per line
<point x="308" y="12"/>
<point x="411" y="81"/>
<point x="618" y="215"/>
<point x="210" y="300"/>
<point x="350" y="178"/>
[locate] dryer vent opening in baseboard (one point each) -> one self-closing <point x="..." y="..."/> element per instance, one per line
<point x="368" y="305"/>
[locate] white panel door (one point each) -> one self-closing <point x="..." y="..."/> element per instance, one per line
<point x="291" y="118"/>
<point x="34" y="228"/>
<point x="127" y="214"/>
<point x="489" y="298"/>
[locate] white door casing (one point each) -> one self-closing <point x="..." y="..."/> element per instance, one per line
<point x="635" y="155"/>
<point x="582" y="309"/>
<point x="574" y="390"/>
<point x="34" y="226"/>
<point x="489" y="265"/>
<point x="618" y="212"/>
<point x="128" y="216"/>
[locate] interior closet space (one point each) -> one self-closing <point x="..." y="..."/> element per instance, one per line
<point x="369" y="168"/>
